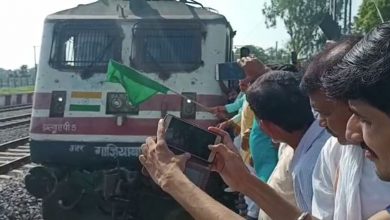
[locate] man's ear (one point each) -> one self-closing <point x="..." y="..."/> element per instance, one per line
<point x="271" y="129"/>
<point x="267" y="127"/>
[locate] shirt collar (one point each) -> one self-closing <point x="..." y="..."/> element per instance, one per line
<point x="310" y="136"/>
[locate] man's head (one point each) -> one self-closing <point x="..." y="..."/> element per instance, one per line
<point x="244" y="52"/>
<point x="283" y="67"/>
<point x="363" y="78"/>
<point x="253" y="68"/>
<point x="278" y="103"/>
<point x="333" y="114"/>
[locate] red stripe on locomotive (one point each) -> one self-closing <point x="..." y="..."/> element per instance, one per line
<point x="101" y="126"/>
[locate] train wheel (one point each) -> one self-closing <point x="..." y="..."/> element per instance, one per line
<point x="70" y="202"/>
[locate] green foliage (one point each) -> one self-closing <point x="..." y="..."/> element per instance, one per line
<point x="301" y="19"/>
<point x="269" y="55"/>
<point x="368" y="17"/>
<point x="17" y="90"/>
<point x="17" y="81"/>
<point x="23" y="72"/>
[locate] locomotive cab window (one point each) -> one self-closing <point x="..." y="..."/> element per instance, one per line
<point x="170" y="47"/>
<point x="85" y="46"/>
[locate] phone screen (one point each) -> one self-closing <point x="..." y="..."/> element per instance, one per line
<point x="189" y="138"/>
<point x="229" y="71"/>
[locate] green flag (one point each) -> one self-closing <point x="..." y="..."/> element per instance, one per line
<point x="139" y="88"/>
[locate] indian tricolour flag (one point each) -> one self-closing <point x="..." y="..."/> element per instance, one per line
<point x="85" y="101"/>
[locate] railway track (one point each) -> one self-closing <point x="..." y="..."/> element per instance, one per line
<point x="14" y="154"/>
<point x="14" y="108"/>
<point x="15" y="120"/>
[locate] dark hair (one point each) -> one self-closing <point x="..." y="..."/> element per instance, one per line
<point x="325" y="61"/>
<point x="284" y="67"/>
<point x="364" y="73"/>
<point x="244" y="52"/>
<point x="276" y="97"/>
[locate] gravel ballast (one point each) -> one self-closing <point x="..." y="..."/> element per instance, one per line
<point x="15" y="202"/>
<point x="9" y="134"/>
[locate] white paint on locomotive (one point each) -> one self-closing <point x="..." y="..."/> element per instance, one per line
<point x="171" y="42"/>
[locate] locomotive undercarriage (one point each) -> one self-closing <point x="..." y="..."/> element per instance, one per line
<point x="116" y="194"/>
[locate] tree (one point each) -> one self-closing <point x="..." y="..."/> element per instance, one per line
<point x="278" y="56"/>
<point x="23" y="72"/>
<point x="368" y="16"/>
<point x="301" y="19"/>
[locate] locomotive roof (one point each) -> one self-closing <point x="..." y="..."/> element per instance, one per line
<point x="117" y="9"/>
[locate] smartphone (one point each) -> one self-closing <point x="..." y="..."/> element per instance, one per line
<point x="229" y="71"/>
<point x="186" y="137"/>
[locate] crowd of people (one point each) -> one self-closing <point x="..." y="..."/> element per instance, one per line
<point x="311" y="144"/>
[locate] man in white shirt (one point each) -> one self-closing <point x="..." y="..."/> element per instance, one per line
<point x="344" y="182"/>
<point x="362" y="79"/>
<point x="281" y="178"/>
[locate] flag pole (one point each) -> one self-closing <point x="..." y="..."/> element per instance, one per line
<point x="378" y="11"/>
<point x="208" y="109"/>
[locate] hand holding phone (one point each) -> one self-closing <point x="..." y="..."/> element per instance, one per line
<point x="229" y="71"/>
<point x="186" y="137"/>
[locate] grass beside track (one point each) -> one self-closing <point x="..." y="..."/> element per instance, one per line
<point x="16" y="90"/>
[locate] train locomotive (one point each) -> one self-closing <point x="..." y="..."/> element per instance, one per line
<point x="86" y="136"/>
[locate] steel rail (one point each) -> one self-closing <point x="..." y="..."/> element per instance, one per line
<point x="14" y="108"/>
<point x="12" y="158"/>
<point x="12" y="124"/>
<point x="16" y="117"/>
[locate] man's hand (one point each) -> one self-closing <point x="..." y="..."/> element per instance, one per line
<point x="252" y="66"/>
<point x="225" y="125"/>
<point x="218" y="109"/>
<point x="220" y="112"/>
<point x="230" y="166"/>
<point x="161" y="163"/>
<point x="225" y="138"/>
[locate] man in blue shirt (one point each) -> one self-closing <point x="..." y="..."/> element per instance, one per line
<point x="285" y="115"/>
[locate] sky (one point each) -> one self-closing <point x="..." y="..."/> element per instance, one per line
<point x="22" y="24"/>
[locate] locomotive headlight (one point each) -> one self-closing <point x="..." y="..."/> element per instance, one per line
<point x="57" y="104"/>
<point x="188" y="108"/>
<point x="117" y="103"/>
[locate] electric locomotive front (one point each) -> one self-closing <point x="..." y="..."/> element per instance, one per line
<point x="84" y="132"/>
